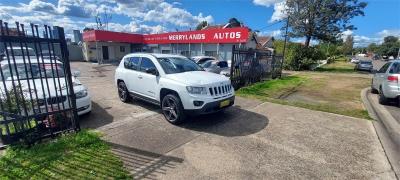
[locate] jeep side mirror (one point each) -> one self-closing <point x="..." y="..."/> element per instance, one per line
<point x="152" y="71"/>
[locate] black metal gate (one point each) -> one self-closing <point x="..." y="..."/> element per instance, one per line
<point x="249" y="66"/>
<point x="37" y="97"/>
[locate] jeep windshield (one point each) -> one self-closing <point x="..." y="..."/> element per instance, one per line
<point x="46" y="70"/>
<point x="172" y="65"/>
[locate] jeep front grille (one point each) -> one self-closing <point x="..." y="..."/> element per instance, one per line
<point x="220" y="90"/>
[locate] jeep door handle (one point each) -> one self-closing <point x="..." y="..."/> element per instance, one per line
<point x="140" y="77"/>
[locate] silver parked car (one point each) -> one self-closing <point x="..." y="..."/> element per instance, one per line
<point x="202" y="59"/>
<point x="364" y="66"/>
<point x="386" y="82"/>
<point x="214" y="66"/>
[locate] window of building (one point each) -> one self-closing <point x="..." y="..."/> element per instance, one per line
<point x="132" y="63"/>
<point x="210" y="53"/>
<point x="166" y="51"/>
<point x="122" y="48"/>
<point x="185" y="53"/>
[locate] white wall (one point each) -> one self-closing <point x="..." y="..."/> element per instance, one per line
<point x="90" y="53"/>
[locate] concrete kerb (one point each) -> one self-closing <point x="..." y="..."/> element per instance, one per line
<point x="383" y="120"/>
<point x="378" y="112"/>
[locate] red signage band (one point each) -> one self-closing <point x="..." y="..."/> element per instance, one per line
<point x="228" y="35"/>
<point x="98" y="35"/>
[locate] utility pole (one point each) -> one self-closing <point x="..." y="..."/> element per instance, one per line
<point x="398" y="54"/>
<point x="284" y="45"/>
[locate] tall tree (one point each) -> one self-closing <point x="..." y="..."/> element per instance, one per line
<point x="390" y="39"/>
<point x="390" y="46"/>
<point x="348" y="44"/>
<point x="373" y="47"/>
<point x="321" y="19"/>
<point x="201" y="25"/>
<point x="234" y="22"/>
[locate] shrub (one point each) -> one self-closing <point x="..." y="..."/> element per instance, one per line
<point x="300" y="58"/>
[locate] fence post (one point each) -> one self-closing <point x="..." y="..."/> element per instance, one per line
<point x="68" y="76"/>
<point x="232" y="63"/>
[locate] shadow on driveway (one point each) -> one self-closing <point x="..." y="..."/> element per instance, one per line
<point x="231" y="122"/>
<point x="144" y="164"/>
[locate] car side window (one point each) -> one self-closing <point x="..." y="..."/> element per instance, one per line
<point x="384" y="68"/>
<point x="222" y="64"/>
<point x="395" y="69"/>
<point x="146" y="64"/>
<point x="132" y="63"/>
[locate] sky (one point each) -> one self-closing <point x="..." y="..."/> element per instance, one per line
<point x="382" y="17"/>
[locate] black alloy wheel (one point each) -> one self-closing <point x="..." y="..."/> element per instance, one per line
<point x="123" y="92"/>
<point x="172" y="109"/>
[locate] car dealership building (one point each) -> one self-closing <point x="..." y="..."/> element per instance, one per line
<point x="217" y="42"/>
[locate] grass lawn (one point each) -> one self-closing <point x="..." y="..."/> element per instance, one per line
<point x="338" y="94"/>
<point x="339" y="66"/>
<point x="76" y="156"/>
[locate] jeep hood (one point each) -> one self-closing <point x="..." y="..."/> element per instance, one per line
<point x="195" y="78"/>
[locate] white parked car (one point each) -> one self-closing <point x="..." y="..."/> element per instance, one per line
<point x="176" y="83"/>
<point x="386" y="82"/>
<point x="32" y="72"/>
<point x="354" y="60"/>
<point x="202" y="59"/>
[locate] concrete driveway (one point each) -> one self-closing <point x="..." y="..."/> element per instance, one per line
<point x="251" y="140"/>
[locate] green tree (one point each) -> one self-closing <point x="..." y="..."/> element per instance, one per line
<point x="321" y="19"/>
<point x="390" y="39"/>
<point x="373" y="47"/>
<point x="348" y="45"/>
<point x="201" y="25"/>
<point x="390" y="46"/>
<point x="234" y="22"/>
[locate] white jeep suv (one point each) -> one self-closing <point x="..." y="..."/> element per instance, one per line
<point x="177" y="84"/>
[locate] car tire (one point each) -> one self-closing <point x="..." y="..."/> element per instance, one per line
<point x="382" y="99"/>
<point x="398" y="102"/>
<point x="123" y="93"/>
<point x="373" y="90"/>
<point x="172" y="109"/>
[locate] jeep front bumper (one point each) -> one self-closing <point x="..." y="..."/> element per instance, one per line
<point x="212" y="107"/>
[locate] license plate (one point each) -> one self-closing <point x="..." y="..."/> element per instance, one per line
<point x="224" y="103"/>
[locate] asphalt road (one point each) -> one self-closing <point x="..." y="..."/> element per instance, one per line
<point x="393" y="107"/>
<point x="251" y="140"/>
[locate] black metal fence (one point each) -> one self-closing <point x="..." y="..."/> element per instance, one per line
<point x="37" y="98"/>
<point x="249" y="66"/>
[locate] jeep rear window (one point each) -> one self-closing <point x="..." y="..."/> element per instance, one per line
<point x="172" y="65"/>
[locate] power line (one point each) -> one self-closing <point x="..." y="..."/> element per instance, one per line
<point x="271" y="25"/>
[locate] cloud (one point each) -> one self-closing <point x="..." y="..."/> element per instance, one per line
<point x="279" y="12"/>
<point x="363" y="41"/>
<point x="76" y="14"/>
<point x="391" y="32"/>
<point x="266" y="3"/>
<point x="167" y="13"/>
<point x="279" y="7"/>
<point x="132" y="27"/>
<point x="274" y="33"/>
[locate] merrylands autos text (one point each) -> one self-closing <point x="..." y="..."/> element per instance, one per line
<point x="226" y="35"/>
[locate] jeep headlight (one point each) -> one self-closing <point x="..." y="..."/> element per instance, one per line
<point x="196" y="90"/>
<point x="81" y="93"/>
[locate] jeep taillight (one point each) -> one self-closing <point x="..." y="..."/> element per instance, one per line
<point x="393" y="79"/>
